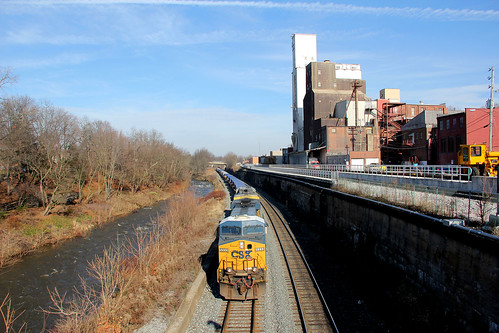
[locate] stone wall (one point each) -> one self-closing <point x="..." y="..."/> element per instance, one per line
<point x="459" y="266"/>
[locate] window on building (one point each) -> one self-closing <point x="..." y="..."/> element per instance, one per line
<point x="450" y="145"/>
<point x="318" y="84"/>
<point x="395" y="110"/>
<point x="461" y="122"/>
<point x="411" y="138"/>
<point x="319" y="72"/>
<point x="447" y="124"/>
<point x="443" y="146"/>
<point x="412" y="111"/>
<point x="459" y="142"/>
<point x="441" y="125"/>
<point x="454" y="123"/>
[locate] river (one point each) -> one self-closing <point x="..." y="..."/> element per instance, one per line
<point x="60" y="266"/>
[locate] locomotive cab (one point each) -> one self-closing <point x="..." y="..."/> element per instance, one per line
<point x="242" y="270"/>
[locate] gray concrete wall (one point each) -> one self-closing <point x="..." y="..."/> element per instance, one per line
<point x="459" y="266"/>
<point x="477" y="184"/>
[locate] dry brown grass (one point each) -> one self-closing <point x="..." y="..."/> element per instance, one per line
<point x="26" y="230"/>
<point x="140" y="275"/>
<point x="9" y="316"/>
<point x="218" y="195"/>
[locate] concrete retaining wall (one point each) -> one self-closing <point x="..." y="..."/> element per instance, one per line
<point x="477" y="184"/>
<point x="459" y="266"/>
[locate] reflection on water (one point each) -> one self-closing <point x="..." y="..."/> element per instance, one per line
<point x="62" y="266"/>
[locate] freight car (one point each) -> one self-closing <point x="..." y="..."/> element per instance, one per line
<point x="242" y="269"/>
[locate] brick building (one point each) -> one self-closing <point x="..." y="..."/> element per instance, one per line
<point x="392" y="116"/>
<point x="468" y="127"/>
<point x="418" y="138"/>
<point x="337" y="128"/>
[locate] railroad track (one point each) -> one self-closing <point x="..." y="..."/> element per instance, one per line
<point x="243" y="316"/>
<point x="312" y="309"/>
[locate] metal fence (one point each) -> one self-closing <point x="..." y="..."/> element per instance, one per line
<point x="435" y="198"/>
<point x="442" y="172"/>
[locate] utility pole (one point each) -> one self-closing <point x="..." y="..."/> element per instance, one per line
<point x="491" y="78"/>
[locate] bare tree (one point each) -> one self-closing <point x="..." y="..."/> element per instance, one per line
<point x="56" y="152"/>
<point x="6" y="77"/>
<point x="16" y="137"/>
<point x="200" y="159"/>
<point x="55" y="134"/>
<point x="231" y="159"/>
<point x="484" y="202"/>
<point x="107" y="147"/>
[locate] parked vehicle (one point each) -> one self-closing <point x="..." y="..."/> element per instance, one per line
<point x="313" y="163"/>
<point x="482" y="161"/>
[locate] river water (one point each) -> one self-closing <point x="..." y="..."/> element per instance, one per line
<point x="61" y="266"/>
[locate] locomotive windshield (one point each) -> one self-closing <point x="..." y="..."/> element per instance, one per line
<point x="230" y="230"/>
<point x="253" y="229"/>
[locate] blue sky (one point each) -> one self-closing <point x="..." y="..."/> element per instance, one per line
<point x="217" y="74"/>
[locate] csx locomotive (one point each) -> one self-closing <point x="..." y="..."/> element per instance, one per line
<point x="242" y="269"/>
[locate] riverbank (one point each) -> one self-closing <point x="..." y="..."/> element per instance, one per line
<point x="26" y="230"/>
<point x="149" y="279"/>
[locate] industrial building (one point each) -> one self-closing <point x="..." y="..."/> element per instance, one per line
<point x="339" y="125"/>
<point x="419" y="144"/>
<point x="304" y="52"/>
<point x="392" y="116"/>
<point x="334" y="122"/>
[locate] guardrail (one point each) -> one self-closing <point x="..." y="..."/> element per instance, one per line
<point x="329" y="171"/>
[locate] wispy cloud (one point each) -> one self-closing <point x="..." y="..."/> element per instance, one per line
<point x="423" y="13"/>
<point x="61" y="59"/>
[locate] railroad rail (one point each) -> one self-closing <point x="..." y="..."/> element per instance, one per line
<point x="312" y="308"/>
<point x="243" y="316"/>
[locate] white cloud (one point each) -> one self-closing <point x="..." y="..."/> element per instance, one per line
<point x="424" y="13"/>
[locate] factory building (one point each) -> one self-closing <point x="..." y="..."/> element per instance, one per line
<point x="304" y="52"/>
<point x="419" y="145"/>
<point x="339" y="121"/>
<point x="392" y="117"/>
<point x="334" y="121"/>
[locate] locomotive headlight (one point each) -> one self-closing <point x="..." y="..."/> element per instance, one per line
<point x="229" y="270"/>
<point x="241" y="245"/>
<point x="254" y="269"/>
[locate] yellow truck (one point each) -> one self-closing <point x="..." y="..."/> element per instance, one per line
<point x="481" y="161"/>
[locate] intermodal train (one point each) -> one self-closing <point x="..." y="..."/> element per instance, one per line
<point x="242" y="268"/>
